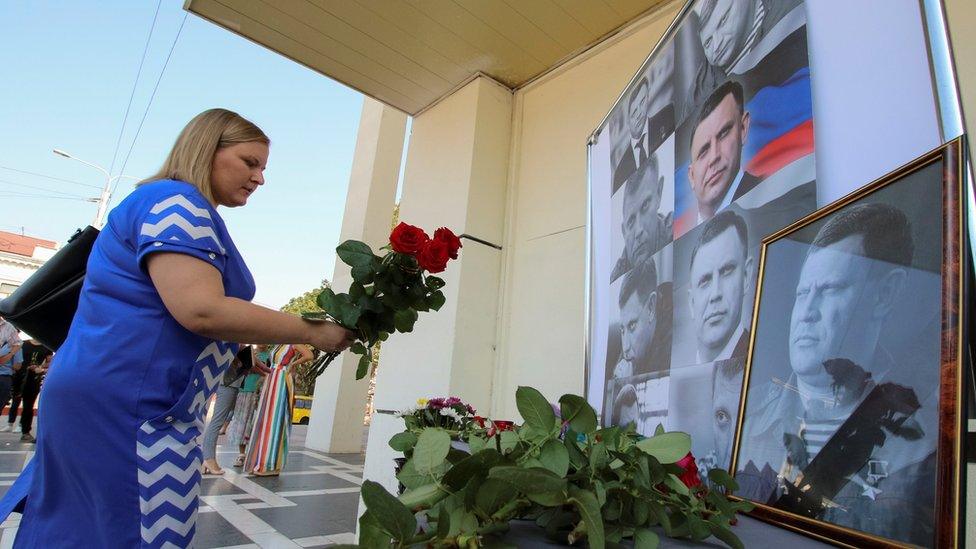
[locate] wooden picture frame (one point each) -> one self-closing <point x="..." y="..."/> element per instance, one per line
<point x="864" y="451"/>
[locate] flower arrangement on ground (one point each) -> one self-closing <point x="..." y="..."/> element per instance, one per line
<point x="388" y="292"/>
<point x="450" y="414"/>
<point x="575" y="480"/>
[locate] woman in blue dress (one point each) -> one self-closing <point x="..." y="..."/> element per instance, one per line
<point x="166" y="293"/>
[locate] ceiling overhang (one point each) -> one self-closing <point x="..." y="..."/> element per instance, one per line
<point x="411" y="53"/>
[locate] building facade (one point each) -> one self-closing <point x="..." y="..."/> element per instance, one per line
<point x="504" y="101"/>
<point x="20" y="257"/>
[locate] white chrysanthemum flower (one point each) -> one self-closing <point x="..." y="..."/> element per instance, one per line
<point x="450" y="413"/>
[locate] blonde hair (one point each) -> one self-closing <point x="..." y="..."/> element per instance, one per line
<point x="191" y="158"/>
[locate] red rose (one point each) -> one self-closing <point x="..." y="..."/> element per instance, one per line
<point x="433" y="256"/>
<point x="446" y="236"/>
<point x="690" y="477"/>
<point x="407" y="239"/>
<point x="503" y="425"/>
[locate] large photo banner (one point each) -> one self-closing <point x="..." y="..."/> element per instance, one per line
<point x="708" y="150"/>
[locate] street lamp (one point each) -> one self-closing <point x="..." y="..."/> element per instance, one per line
<point x="106" y="194"/>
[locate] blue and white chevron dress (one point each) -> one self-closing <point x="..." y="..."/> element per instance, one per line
<point x="118" y="461"/>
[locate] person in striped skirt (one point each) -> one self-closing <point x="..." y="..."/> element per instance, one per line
<point x="268" y="446"/>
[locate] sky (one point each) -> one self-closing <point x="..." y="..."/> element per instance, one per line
<point x="69" y="70"/>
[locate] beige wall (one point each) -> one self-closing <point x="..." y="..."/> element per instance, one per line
<point x="542" y="322"/>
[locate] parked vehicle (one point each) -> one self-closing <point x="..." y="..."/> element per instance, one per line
<point x="303" y="409"/>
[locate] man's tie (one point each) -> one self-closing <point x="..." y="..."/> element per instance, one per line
<point x="641" y="153"/>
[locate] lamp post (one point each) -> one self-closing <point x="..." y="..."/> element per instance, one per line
<point x="106" y="193"/>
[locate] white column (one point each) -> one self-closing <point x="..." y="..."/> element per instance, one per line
<point x="455" y="176"/>
<point x="336" y="424"/>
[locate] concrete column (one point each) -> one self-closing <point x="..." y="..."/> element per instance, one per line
<point x="336" y="424"/>
<point x="455" y="176"/>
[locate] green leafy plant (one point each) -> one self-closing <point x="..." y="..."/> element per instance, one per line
<point x="388" y="292"/>
<point x="559" y="469"/>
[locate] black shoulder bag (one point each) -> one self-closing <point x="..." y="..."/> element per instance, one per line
<point x="45" y="304"/>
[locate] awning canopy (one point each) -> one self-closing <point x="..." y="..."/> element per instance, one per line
<point x="411" y="53"/>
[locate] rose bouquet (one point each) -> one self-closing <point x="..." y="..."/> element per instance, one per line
<point x="388" y="291"/>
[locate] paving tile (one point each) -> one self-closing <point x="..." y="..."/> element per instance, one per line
<point x="216" y="486"/>
<point x="214" y="531"/>
<point x="314" y="515"/>
<point x="300" y="462"/>
<point x="352" y="459"/>
<point x="14" y="462"/>
<point x="302" y="482"/>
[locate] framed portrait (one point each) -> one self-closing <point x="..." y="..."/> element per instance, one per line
<point x="850" y="427"/>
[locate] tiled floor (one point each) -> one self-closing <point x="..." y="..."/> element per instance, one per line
<point x="313" y="503"/>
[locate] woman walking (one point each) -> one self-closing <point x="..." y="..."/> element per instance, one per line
<point x="117" y="462"/>
<point x="268" y="447"/>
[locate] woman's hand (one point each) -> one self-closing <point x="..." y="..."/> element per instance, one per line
<point x="329" y="336"/>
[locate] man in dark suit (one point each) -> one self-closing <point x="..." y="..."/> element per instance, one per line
<point x="647" y="131"/>
<point x="715" y="170"/>
<point x="718" y="277"/>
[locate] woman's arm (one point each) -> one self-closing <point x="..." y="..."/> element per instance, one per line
<point x="193" y="292"/>
<point x="259" y="364"/>
<point x="305" y="355"/>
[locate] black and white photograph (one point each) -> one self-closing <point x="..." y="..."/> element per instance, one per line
<point x="714" y="289"/>
<point x="643" y="211"/>
<point x="641" y="400"/>
<point x="841" y="420"/>
<point x="639" y="339"/>
<point x="645" y="120"/>
<point x="704" y="402"/>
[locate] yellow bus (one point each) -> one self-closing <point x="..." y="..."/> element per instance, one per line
<point x="303" y="409"/>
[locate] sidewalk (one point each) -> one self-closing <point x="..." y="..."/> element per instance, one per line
<point x="314" y="503"/>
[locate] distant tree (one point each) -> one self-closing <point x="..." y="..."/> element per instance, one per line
<point x="305" y="303"/>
